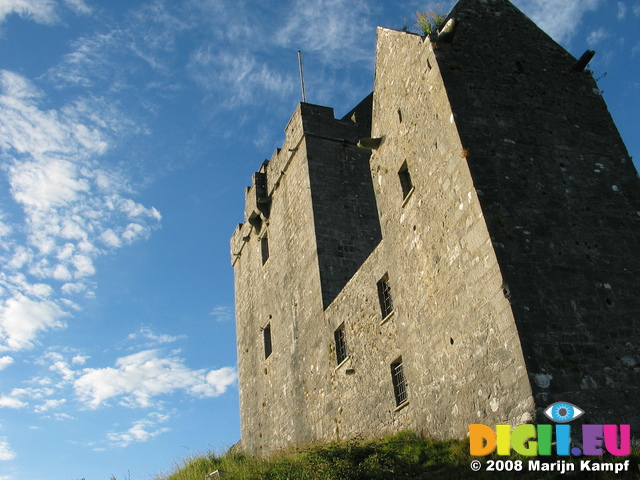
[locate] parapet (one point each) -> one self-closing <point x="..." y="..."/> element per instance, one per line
<point x="308" y="120"/>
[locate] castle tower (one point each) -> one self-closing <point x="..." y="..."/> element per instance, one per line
<point x="311" y="221"/>
<point x="475" y="263"/>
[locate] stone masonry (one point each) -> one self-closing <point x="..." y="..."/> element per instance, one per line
<point x="462" y="247"/>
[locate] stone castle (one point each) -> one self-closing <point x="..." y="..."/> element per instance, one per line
<point x="462" y="247"/>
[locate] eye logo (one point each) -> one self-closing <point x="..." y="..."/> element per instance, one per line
<point x="563" y="412"/>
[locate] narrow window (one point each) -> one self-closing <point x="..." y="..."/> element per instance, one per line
<point x="384" y="295"/>
<point x="405" y="180"/>
<point x="399" y="382"/>
<point x="266" y="333"/>
<point x="264" y="247"/>
<point x="341" y="344"/>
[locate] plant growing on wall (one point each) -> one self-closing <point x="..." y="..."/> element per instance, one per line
<point x="430" y="22"/>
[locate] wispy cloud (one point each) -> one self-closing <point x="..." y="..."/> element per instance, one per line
<point x="151" y="339"/>
<point x="243" y="74"/>
<point x="141" y="430"/>
<point x="559" y="18"/>
<point x="332" y="28"/>
<point x="73" y="206"/>
<point x="41" y="11"/>
<point x="50" y="404"/>
<point x="6" y="453"/>
<point x="138" y="379"/>
<point x="622" y="10"/>
<point x="79" y="6"/>
<point x="116" y="58"/>
<point x="222" y="313"/>
<point x="597" y="36"/>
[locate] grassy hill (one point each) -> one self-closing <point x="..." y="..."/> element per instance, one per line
<point x="403" y="456"/>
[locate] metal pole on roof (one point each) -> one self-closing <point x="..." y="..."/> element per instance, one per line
<point x="304" y="95"/>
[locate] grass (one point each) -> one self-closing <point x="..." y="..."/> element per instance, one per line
<point x="402" y="456"/>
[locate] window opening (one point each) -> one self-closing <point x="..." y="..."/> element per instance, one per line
<point x="384" y="295"/>
<point x="341" y="344"/>
<point x="266" y="333"/>
<point x="264" y="248"/>
<point x="399" y="382"/>
<point x="405" y="180"/>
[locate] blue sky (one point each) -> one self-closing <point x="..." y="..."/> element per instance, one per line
<point x="128" y="131"/>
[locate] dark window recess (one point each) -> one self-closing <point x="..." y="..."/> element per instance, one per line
<point x="399" y="382"/>
<point x="341" y="344"/>
<point x="405" y="180"/>
<point x="266" y="333"/>
<point x="264" y="248"/>
<point x="384" y="295"/>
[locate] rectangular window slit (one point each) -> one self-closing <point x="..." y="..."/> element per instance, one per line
<point x="341" y="344"/>
<point x="384" y="295"/>
<point x="264" y="248"/>
<point x="266" y="333"/>
<point x="399" y="382"/>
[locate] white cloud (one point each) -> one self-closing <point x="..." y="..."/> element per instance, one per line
<point x="222" y="313"/>
<point x="50" y="405"/>
<point x="79" y="6"/>
<point x="47" y="184"/>
<point x="332" y="28"/>
<point x="597" y="36"/>
<point x="74" y="206"/>
<point x="73" y="288"/>
<point x="5" y="450"/>
<point x="140" y="431"/>
<point x="152" y="339"/>
<point x="622" y="10"/>
<point x="22" y="318"/>
<point x="11" y="402"/>
<point x="5" y="362"/>
<point x="137" y="379"/>
<point x="5" y="229"/>
<point x="61" y="367"/>
<point x="144" y="41"/>
<point x="60" y="417"/>
<point x="80" y="359"/>
<point x="559" y="18"/>
<point x="216" y="382"/>
<point x="240" y="72"/>
<point x="41" y="11"/>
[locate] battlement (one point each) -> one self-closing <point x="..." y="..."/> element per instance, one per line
<point x="308" y="120"/>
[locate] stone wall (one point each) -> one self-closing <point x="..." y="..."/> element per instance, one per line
<point x="454" y="325"/>
<point x="561" y="199"/>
